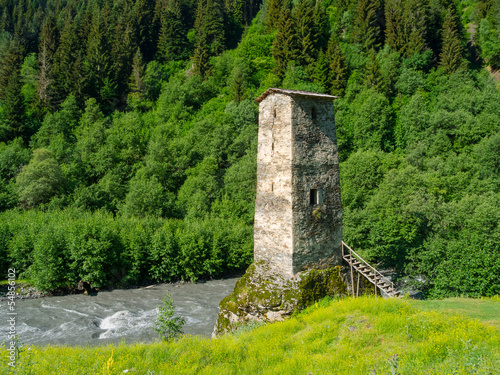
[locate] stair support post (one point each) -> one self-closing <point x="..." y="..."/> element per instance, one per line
<point x="352" y="281"/>
<point x="357" y="286"/>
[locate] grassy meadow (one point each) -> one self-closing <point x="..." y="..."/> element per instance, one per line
<point x="349" y="336"/>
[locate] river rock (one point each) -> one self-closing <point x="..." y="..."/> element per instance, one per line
<point x="265" y="295"/>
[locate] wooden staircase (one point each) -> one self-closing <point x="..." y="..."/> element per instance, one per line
<point x="358" y="264"/>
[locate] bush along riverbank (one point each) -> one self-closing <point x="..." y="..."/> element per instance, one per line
<point x="70" y="246"/>
<point x="345" y="336"/>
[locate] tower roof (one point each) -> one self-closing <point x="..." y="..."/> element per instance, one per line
<point x="273" y="90"/>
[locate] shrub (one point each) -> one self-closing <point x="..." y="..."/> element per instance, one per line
<point x="166" y="325"/>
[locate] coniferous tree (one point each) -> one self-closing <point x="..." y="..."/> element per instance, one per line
<point x="368" y="24"/>
<point x="322" y="26"/>
<point x="122" y="53"/>
<point x="452" y="53"/>
<point x="338" y="74"/>
<point x="415" y="26"/>
<point x="209" y="25"/>
<point x="201" y="59"/>
<point x="14" y="107"/>
<point x="285" y="46"/>
<point x="145" y="28"/>
<point x="373" y="77"/>
<point x="4" y="21"/>
<point x="307" y="33"/>
<point x="97" y="61"/>
<point x="65" y="72"/>
<point x="137" y="77"/>
<point x="274" y="9"/>
<point x="406" y="25"/>
<point x="10" y="65"/>
<point x="321" y="71"/>
<point x="210" y="36"/>
<point x="394" y="13"/>
<point x="19" y="23"/>
<point x="172" y="42"/>
<point x="47" y="49"/>
<point x="44" y="78"/>
<point x="238" y="85"/>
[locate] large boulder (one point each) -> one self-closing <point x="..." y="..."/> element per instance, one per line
<point x="267" y="296"/>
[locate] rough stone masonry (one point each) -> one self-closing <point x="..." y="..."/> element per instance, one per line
<point x="298" y="213"/>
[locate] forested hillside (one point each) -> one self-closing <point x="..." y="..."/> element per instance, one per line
<point x="128" y="133"/>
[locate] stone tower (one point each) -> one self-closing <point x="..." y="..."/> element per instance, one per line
<point x="298" y="213"/>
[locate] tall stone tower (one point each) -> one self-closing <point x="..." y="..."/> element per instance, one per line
<point x="298" y="214"/>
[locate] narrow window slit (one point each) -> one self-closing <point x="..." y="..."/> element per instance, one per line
<point x="313" y="197"/>
<point x="313" y="113"/>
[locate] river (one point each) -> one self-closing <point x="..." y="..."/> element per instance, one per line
<point x="114" y="316"/>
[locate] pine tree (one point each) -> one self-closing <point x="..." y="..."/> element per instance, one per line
<point x="201" y="59"/>
<point x="238" y="85"/>
<point x="394" y="13"/>
<point x="209" y="25"/>
<point x="10" y="65"/>
<point x="5" y="21"/>
<point x="19" y="24"/>
<point x="97" y="63"/>
<point x="406" y="25"/>
<point x="136" y="81"/>
<point x="368" y="24"/>
<point x="338" y="66"/>
<point x="44" y="78"/>
<point x="236" y="10"/>
<point x="47" y="49"/>
<point x="210" y="36"/>
<point x="285" y="46"/>
<point x="322" y="26"/>
<point x="14" y="107"/>
<point x="122" y="52"/>
<point x="274" y="9"/>
<point x="65" y="71"/>
<point x="306" y="31"/>
<point x="172" y="43"/>
<point x="373" y="77"/>
<point x="142" y="20"/>
<point x="321" y="71"/>
<point x="452" y="53"/>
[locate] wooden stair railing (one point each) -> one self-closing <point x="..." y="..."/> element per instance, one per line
<point x="371" y="274"/>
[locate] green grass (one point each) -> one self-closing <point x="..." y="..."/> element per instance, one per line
<point x="486" y="310"/>
<point x="349" y="336"/>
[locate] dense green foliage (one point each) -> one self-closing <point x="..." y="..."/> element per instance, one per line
<point x="69" y="245"/>
<point x="128" y="133"/>
<point x="348" y="336"/>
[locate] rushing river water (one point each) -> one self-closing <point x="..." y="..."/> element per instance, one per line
<point x="111" y="316"/>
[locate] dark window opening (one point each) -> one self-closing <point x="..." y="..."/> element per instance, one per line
<point x="272" y="146"/>
<point x="274" y="113"/>
<point x="313" y="113"/>
<point x="313" y="197"/>
<point x="272" y="186"/>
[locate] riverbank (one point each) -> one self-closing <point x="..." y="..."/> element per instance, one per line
<point x="357" y="336"/>
<point x="26" y="290"/>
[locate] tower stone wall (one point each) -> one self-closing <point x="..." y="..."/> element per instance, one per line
<point x="298" y="216"/>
